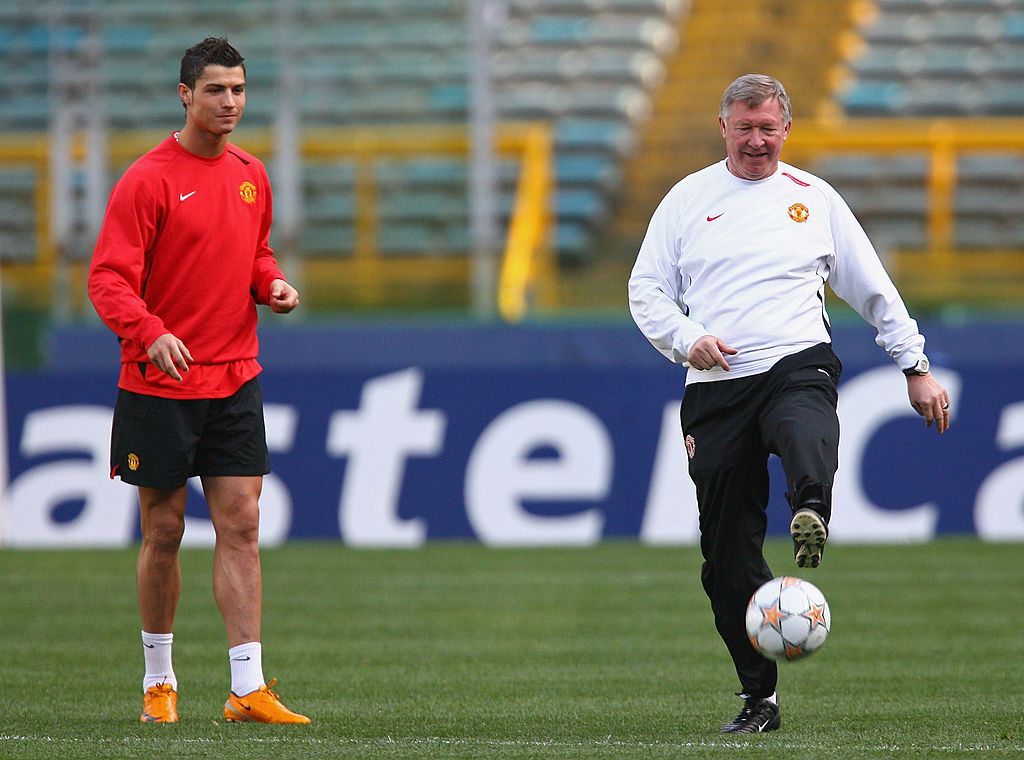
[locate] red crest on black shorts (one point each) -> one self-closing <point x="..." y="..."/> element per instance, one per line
<point x="691" y="446"/>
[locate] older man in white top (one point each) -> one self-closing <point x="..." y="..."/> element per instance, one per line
<point x="730" y="282"/>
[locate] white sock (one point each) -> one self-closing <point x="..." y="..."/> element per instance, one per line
<point x="157" y="649"/>
<point x="774" y="698"/>
<point x="246" y="667"/>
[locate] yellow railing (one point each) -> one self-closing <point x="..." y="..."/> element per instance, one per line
<point x="527" y="255"/>
<point x="940" y="271"/>
<point x="528" y="269"/>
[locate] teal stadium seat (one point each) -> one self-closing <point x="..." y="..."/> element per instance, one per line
<point x="1013" y="26"/>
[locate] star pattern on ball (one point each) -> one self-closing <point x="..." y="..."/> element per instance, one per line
<point x="773" y="616"/>
<point x="816" y="614"/>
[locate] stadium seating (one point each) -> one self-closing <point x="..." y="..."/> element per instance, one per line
<point x="16" y="242"/>
<point x="940" y="58"/>
<point x="949" y="57"/>
<point x="586" y="66"/>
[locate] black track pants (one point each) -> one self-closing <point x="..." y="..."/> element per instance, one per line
<point x="731" y="427"/>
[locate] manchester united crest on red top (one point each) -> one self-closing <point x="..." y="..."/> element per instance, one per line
<point x="248" y="192"/>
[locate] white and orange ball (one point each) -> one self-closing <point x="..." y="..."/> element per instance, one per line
<point x="788" y="618"/>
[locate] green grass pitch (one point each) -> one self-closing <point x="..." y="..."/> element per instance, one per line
<point x="459" y="651"/>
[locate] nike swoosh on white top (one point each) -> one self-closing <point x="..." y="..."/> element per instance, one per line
<point x="186" y="196"/>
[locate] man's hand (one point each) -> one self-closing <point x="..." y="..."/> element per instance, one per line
<point x="930" y="400"/>
<point x="283" y="297"/>
<point x="707" y="352"/>
<point x="167" y="353"/>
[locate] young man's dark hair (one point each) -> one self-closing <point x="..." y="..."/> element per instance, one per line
<point x="213" y="51"/>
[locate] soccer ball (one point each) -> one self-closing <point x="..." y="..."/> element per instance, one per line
<point x="788" y="618"/>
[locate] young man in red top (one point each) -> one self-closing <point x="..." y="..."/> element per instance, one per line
<point x="180" y="264"/>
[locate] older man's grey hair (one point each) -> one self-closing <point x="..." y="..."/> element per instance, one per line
<point x="755" y="89"/>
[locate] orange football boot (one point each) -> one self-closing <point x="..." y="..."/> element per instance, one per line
<point x="261" y="706"/>
<point x="160" y="704"/>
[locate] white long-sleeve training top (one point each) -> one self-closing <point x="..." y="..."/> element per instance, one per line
<point x="747" y="261"/>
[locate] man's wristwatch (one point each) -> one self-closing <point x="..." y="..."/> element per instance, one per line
<point x="920" y="368"/>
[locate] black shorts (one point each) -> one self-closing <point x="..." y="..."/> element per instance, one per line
<point x="161" y="442"/>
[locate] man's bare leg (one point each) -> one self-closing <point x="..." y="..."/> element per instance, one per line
<point x="237" y="579"/>
<point x="158" y="578"/>
<point x="157" y="573"/>
<point x="238" y="587"/>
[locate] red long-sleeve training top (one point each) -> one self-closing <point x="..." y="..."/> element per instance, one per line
<point x="184" y="249"/>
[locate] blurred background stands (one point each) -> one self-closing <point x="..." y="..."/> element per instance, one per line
<point x="587" y="67"/>
<point x="629" y="88"/>
<point x="951" y="59"/>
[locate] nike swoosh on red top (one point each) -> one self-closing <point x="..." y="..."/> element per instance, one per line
<point x="713" y="218"/>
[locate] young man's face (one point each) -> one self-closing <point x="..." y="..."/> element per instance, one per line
<point x="754" y="138"/>
<point x="217" y="102"/>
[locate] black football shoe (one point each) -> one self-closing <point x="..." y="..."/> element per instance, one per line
<point x="757" y="716"/>
<point x="809" y="534"/>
